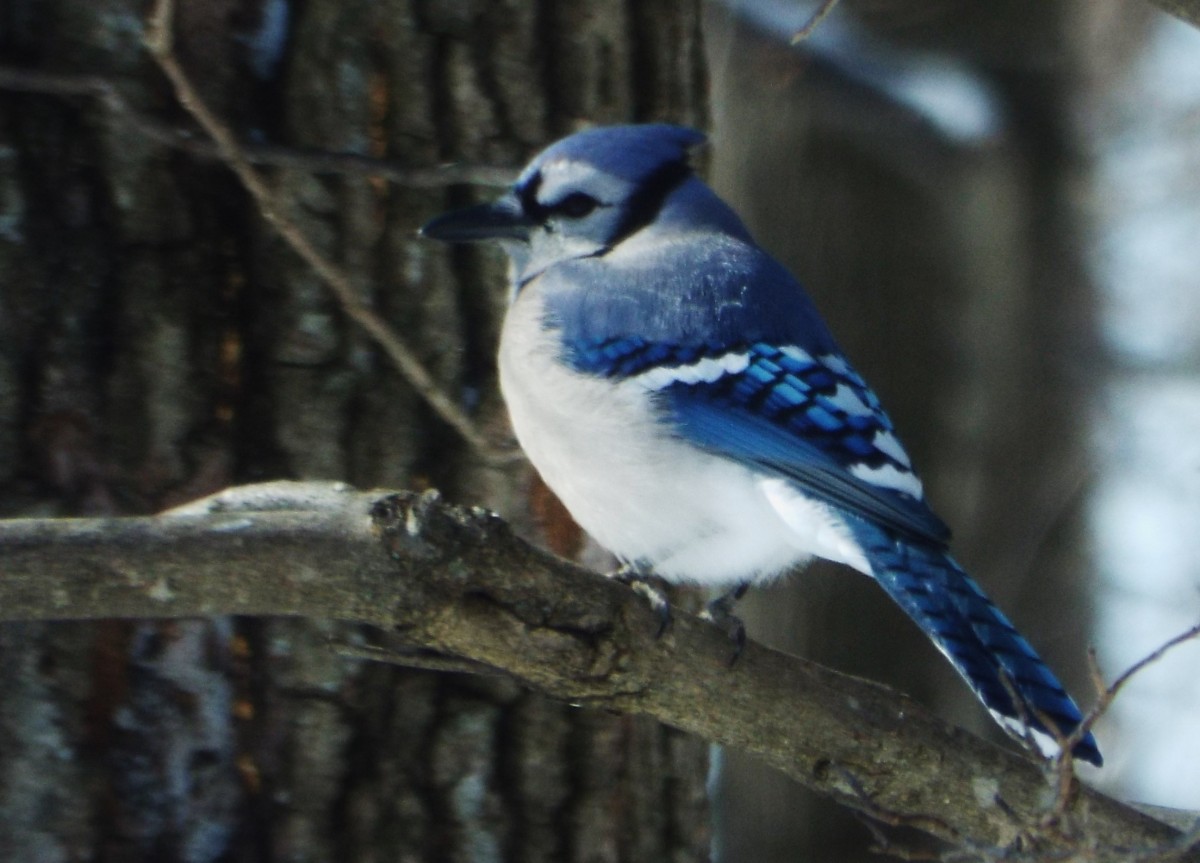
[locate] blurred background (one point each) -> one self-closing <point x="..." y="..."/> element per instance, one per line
<point x="996" y="206"/>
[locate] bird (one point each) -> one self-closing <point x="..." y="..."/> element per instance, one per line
<point x="677" y="389"/>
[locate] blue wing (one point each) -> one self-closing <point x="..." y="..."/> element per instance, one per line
<point x="785" y="412"/>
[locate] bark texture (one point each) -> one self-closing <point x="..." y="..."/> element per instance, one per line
<point x="158" y="342"/>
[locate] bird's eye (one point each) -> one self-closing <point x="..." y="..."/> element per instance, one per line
<point x="575" y="205"/>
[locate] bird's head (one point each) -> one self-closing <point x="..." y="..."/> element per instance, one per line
<point x="578" y="197"/>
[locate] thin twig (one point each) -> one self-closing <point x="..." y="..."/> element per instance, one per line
<point x="107" y="93"/>
<point x="158" y="41"/>
<point x="814" y="22"/>
<point x="1107" y="694"/>
<point x="1062" y="764"/>
<point x="1111" y="692"/>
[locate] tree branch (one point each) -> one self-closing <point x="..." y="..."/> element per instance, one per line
<point x="456" y="580"/>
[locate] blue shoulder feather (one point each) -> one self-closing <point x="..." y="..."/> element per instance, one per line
<point x="710" y="290"/>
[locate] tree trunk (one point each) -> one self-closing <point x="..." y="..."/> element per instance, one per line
<point x="158" y="342"/>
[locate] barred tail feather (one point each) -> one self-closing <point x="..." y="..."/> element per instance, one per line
<point x="976" y="637"/>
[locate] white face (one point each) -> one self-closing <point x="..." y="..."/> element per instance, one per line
<point x="581" y="197"/>
<point x="577" y="211"/>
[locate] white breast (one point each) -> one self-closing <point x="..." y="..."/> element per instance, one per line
<point x="645" y="495"/>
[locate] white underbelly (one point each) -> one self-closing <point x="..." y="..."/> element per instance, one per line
<point x="645" y="495"/>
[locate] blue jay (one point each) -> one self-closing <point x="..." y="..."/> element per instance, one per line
<point x="676" y="388"/>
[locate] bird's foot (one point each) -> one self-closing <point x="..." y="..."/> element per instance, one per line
<point x="651" y="588"/>
<point x="720" y="613"/>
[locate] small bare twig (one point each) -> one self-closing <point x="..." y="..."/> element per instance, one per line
<point x="1062" y="766"/>
<point x="108" y="94"/>
<point x="159" y="42"/>
<point x="1109" y="693"/>
<point x="1022" y="707"/>
<point x="814" y="22"/>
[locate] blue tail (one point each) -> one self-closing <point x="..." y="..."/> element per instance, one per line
<point x="985" y="648"/>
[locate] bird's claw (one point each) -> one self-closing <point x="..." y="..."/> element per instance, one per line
<point x="720" y="613"/>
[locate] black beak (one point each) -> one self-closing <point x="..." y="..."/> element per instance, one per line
<point x="500" y="220"/>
